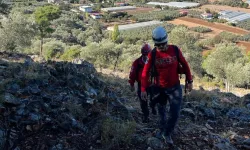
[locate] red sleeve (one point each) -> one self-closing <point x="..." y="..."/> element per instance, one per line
<point x="185" y="66"/>
<point x="146" y="73"/>
<point x="132" y="74"/>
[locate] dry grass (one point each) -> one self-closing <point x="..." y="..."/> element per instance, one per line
<point x="117" y="133"/>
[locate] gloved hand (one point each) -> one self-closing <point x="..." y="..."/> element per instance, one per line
<point x="189" y="87"/>
<point x="144" y="96"/>
<point x="132" y="88"/>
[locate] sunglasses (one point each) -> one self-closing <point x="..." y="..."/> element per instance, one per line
<point x="159" y="39"/>
<point x="161" y="44"/>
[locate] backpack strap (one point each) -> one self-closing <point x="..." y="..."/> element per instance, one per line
<point x="176" y="49"/>
<point x="153" y="68"/>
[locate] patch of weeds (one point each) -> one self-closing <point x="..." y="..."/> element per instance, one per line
<point x="200" y="96"/>
<point x="116" y="134"/>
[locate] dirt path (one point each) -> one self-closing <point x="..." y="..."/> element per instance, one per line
<point x="216" y="27"/>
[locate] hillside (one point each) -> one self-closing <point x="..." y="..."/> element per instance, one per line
<point x="62" y="105"/>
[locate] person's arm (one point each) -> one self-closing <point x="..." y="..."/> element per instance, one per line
<point x="185" y="66"/>
<point x="189" y="80"/>
<point x="146" y="73"/>
<point x="132" y="74"/>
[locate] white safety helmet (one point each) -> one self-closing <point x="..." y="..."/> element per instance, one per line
<point x="160" y="35"/>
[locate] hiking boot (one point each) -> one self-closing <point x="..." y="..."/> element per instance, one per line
<point x="167" y="139"/>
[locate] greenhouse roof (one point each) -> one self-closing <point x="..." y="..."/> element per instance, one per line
<point x="234" y="16"/>
<point x="118" y="8"/>
<point x="241" y="17"/>
<point x="175" y="4"/>
<point x="135" y="25"/>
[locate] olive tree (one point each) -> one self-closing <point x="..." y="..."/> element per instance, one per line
<point x="43" y="17"/>
<point x="16" y="32"/>
<point x="221" y="63"/>
<point x="181" y="37"/>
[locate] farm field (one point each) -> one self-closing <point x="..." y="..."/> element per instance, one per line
<point x="222" y="7"/>
<point x="217" y="27"/>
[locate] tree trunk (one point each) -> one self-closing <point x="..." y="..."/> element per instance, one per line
<point x="116" y="61"/>
<point x="41" y="47"/>
<point x="227" y="86"/>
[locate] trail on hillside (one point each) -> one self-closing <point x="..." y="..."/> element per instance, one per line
<point x="69" y="105"/>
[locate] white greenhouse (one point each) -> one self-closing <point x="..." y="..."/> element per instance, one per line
<point x="135" y="25"/>
<point x="110" y="9"/>
<point x="234" y="16"/>
<point x="176" y="4"/>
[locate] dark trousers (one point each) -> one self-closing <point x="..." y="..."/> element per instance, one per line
<point x="174" y="97"/>
<point x="144" y="104"/>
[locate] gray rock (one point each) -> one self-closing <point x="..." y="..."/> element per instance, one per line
<point x="34" y="117"/>
<point x="224" y="146"/>
<point x="13" y="88"/>
<point x="11" y="99"/>
<point x="90" y="101"/>
<point x="155" y="143"/>
<point x="248" y="106"/>
<point x="239" y="113"/>
<point x="246" y="147"/>
<point x="247" y="142"/>
<point x="188" y="112"/>
<point x="57" y="147"/>
<point x="209" y="112"/>
<point x="34" y="89"/>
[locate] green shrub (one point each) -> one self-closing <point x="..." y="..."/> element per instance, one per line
<point x="53" y="49"/>
<point x="71" y="53"/>
<point x="117" y="133"/>
<point x="201" y="29"/>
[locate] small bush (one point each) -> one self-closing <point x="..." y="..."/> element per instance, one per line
<point x="201" y="29"/>
<point x="117" y="134"/>
<point x="70" y="54"/>
<point x="53" y="49"/>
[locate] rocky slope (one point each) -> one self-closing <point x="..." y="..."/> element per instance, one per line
<point x="68" y="106"/>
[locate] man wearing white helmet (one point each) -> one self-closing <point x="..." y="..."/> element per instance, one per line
<point x="166" y="64"/>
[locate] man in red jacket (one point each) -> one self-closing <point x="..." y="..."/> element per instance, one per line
<point x="167" y="79"/>
<point x="135" y="75"/>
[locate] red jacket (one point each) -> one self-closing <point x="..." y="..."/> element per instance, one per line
<point x="166" y="64"/>
<point x="136" y="71"/>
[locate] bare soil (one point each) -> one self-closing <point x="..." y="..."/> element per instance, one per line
<point x="222" y="7"/>
<point x="216" y="27"/>
<point x="245" y="45"/>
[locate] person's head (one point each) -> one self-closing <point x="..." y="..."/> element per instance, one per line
<point x="145" y="49"/>
<point x="160" y="38"/>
